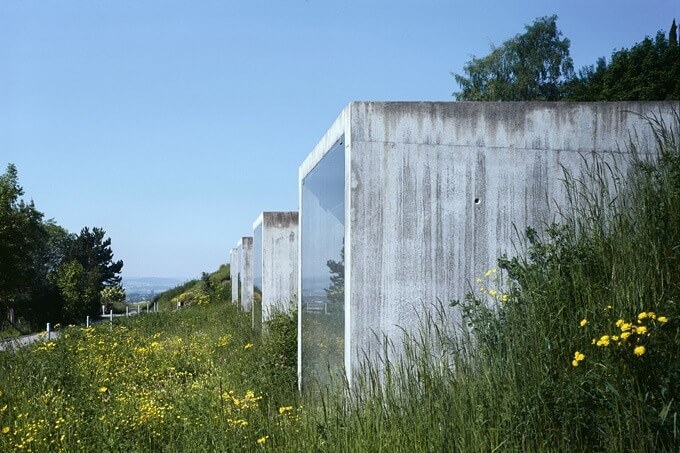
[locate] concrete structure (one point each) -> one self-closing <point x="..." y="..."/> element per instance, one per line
<point x="275" y="249"/>
<point x="245" y="260"/>
<point x="233" y="274"/>
<point x="404" y="204"/>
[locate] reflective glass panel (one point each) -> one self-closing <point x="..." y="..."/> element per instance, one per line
<point x="323" y="267"/>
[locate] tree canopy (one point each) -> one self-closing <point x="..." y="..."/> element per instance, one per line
<point x="531" y="66"/>
<point x="648" y="71"/>
<point x="46" y="273"/>
<point x="536" y="66"/>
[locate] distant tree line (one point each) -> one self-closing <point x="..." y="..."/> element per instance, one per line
<point x="536" y="66"/>
<point x="46" y="273"/>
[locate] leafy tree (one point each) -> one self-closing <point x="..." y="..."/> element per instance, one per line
<point x="22" y="242"/>
<point x="648" y="71"/>
<point x="336" y="292"/>
<point x="112" y="294"/>
<point x="529" y="67"/>
<point x="81" y="286"/>
<point x="79" y="298"/>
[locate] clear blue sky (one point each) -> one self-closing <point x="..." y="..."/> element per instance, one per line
<point x="172" y="124"/>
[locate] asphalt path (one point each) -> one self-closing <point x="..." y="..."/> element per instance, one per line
<point x="17" y="342"/>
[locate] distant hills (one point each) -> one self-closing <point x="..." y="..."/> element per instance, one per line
<point x="138" y="288"/>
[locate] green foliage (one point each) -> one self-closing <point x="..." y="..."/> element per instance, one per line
<point x="112" y="295"/>
<point x="38" y="276"/>
<point x="590" y="331"/>
<point x="212" y="287"/>
<point x="529" y="67"/>
<point x="22" y="244"/>
<point x="94" y="253"/>
<point x="536" y="66"/>
<point x="336" y="292"/>
<point x="648" y="71"/>
<point x="79" y="298"/>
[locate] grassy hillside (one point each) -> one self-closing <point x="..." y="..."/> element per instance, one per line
<point x="213" y="286"/>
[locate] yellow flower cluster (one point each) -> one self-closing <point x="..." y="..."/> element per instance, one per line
<point x="262" y="440"/>
<point x="627" y="329"/>
<point x="491" y="275"/>
<point x="578" y="357"/>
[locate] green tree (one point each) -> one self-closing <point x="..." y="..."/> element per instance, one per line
<point x="92" y="251"/>
<point x="336" y="292"/>
<point x="79" y="299"/>
<point x="648" y="71"/>
<point x="532" y="66"/>
<point x="111" y="295"/>
<point x="22" y="242"/>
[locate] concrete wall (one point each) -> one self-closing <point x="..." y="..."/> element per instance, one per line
<point x="279" y="260"/>
<point x="246" y="273"/>
<point x="432" y="191"/>
<point x="233" y="274"/>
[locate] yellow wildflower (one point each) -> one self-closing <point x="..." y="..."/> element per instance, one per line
<point x="578" y="357"/>
<point x="262" y="439"/>
<point x="626" y="326"/>
<point x="641" y="330"/>
<point x="651" y="314"/>
<point x="615" y="338"/>
<point x="619" y="323"/>
<point x="639" y="350"/>
<point x="504" y="298"/>
<point x="642" y="315"/>
<point x="103" y="389"/>
<point x="5" y="430"/>
<point x="284" y="409"/>
<point x="493" y="293"/>
<point x="625" y="335"/>
<point x="583" y="322"/>
<point x="603" y="341"/>
<point x="662" y="319"/>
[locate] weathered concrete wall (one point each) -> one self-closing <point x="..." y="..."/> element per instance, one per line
<point x="279" y="261"/>
<point x="279" y="270"/>
<point x="233" y="274"/>
<point x="246" y="273"/>
<point x="432" y="191"/>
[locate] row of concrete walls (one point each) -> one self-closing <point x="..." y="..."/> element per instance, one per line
<point x="435" y="192"/>
<point x="278" y="262"/>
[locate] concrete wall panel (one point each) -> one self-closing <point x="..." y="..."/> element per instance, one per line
<point x="246" y="273"/>
<point x="434" y="192"/>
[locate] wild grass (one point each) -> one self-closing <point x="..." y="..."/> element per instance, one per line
<point x="573" y="345"/>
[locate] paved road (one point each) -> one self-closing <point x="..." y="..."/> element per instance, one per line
<point x="14" y="343"/>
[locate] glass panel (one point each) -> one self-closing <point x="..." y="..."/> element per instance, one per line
<point x="323" y="267"/>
